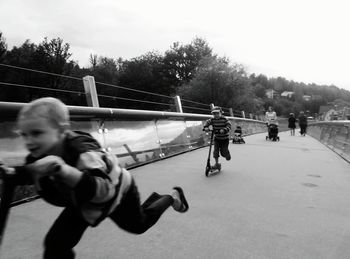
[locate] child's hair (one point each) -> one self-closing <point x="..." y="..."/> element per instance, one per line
<point x="52" y="109"/>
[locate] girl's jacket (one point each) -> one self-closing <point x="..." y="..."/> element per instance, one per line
<point x="101" y="188"/>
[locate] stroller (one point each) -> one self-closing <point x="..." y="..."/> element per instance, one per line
<point x="272" y="132"/>
<point x="237" y="136"/>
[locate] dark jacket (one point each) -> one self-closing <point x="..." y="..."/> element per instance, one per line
<point x="302" y="120"/>
<point x="291" y="122"/>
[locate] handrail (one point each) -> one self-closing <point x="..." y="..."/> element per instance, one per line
<point x="10" y="109"/>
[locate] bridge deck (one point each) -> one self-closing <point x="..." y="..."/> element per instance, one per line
<point x="287" y="199"/>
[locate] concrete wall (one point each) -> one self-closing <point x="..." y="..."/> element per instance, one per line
<point x="335" y="135"/>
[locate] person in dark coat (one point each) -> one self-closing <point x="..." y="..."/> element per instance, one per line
<point x="302" y="123"/>
<point x="291" y="124"/>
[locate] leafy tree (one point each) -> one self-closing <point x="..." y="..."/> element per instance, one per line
<point x="93" y="59"/>
<point x="18" y="56"/>
<point x="146" y="73"/>
<point x="219" y="83"/>
<point x="181" y="61"/>
<point x="106" y="70"/>
<point x="52" y="56"/>
<point x="3" y="46"/>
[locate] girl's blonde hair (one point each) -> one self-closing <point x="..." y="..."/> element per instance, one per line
<point x="52" y="109"/>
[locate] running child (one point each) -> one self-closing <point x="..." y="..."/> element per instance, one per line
<point x="70" y="170"/>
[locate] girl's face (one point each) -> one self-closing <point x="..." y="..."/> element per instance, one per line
<point x="216" y="115"/>
<point x="270" y="109"/>
<point x="39" y="135"/>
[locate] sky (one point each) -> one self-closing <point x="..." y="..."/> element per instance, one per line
<point x="302" y="40"/>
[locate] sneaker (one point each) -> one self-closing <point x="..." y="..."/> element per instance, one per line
<point x="216" y="166"/>
<point x="228" y="157"/>
<point x="180" y="203"/>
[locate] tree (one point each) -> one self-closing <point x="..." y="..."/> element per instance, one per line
<point x="182" y="61"/>
<point x="106" y="70"/>
<point x="93" y="59"/>
<point x="218" y="82"/>
<point x="22" y="57"/>
<point x="53" y="55"/>
<point x="146" y="73"/>
<point x="3" y="46"/>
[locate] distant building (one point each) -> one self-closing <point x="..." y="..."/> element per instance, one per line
<point x="287" y="94"/>
<point x="271" y="94"/>
<point x="306" y="97"/>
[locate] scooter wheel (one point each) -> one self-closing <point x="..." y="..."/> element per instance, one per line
<point x="207" y="170"/>
<point x="267" y="137"/>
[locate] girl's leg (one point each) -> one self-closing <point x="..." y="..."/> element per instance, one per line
<point x="131" y="216"/>
<point x="224" y="149"/>
<point x="64" y="234"/>
<point x="216" y="150"/>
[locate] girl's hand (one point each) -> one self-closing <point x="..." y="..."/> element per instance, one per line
<point x="6" y="172"/>
<point x="222" y="131"/>
<point x="47" y="166"/>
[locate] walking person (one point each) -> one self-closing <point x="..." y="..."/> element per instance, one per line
<point x="291" y="124"/>
<point x="271" y="122"/>
<point x="302" y="123"/>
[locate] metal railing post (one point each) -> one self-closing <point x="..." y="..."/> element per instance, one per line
<point x="231" y="112"/>
<point x="178" y="104"/>
<point x="90" y="91"/>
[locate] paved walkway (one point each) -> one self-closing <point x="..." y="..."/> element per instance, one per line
<point x="287" y="199"/>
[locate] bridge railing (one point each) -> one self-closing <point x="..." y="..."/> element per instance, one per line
<point x="334" y="134"/>
<point x="136" y="137"/>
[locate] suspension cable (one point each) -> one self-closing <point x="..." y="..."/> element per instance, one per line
<point x="134" y="100"/>
<point x="195" y="102"/>
<point x="134" y="90"/>
<point x="42" y="88"/>
<point x="41" y="72"/>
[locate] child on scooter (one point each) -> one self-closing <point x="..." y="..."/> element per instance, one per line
<point x="221" y="127"/>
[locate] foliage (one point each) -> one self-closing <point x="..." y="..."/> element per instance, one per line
<point x="3" y="46"/>
<point x="191" y="70"/>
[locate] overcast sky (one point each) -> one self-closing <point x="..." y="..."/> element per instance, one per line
<point x="301" y="40"/>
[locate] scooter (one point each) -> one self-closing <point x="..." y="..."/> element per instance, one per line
<point x="209" y="170"/>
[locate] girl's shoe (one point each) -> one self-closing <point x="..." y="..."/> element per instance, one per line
<point x="180" y="203"/>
